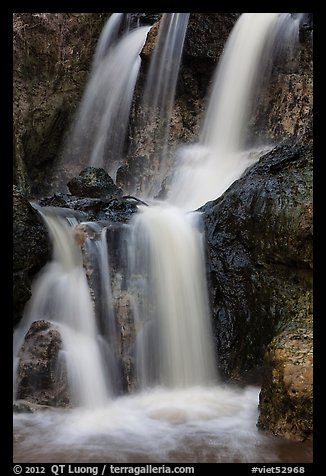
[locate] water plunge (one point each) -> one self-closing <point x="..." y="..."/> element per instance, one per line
<point x="158" y="98"/>
<point x="174" y="342"/>
<point x="61" y="296"/>
<point x="205" y="170"/>
<point x="102" y="119"/>
<point x="180" y="409"/>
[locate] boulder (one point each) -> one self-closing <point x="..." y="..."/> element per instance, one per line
<point x="41" y="376"/>
<point x="259" y="251"/>
<point x="259" y="247"/>
<point x="286" y="397"/>
<point x="93" y="182"/>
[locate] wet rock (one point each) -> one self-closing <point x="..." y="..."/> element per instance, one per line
<point x="286" y="397"/>
<point x="41" y="376"/>
<point x="126" y="326"/>
<point x="24" y="406"/>
<point x="31" y="249"/>
<point x="259" y="236"/>
<point x="93" y="182"/>
<point x="285" y="108"/>
<point x="115" y="210"/>
<point x="149" y="46"/>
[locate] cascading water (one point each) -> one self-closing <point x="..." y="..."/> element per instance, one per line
<point x="99" y="132"/>
<point x="158" y="97"/>
<point x="208" y="168"/>
<point x="174" y="342"/>
<point x="181" y="412"/>
<point x="61" y="295"/>
<point x="108" y="38"/>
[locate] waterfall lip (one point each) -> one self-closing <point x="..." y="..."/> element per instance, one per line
<point x="59" y="211"/>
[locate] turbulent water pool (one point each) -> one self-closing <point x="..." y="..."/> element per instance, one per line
<point x="194" y="425"/>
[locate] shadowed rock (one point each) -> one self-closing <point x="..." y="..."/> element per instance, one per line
<point x="41" y="376"/>
<point x="93" y="182"/>
<point x="31" y="249"/>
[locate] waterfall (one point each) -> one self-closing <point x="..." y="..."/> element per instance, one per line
<point x="206" y="169"/>
<point x="174" y="343"/>
<point x="100" y="278"/>
<point x="167" y="274"/>
<point x="61" y="295"/>
<point x="108" y="37"/>
<point x="99" y="131"/>
<point x="159" y="93"/>
<point x="179" y="404"/>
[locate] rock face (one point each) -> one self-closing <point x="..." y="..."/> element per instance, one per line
<point x="51" y="65"/>
<point x="259" y="236"/>
<point x="286" y="103"/>
<point x="31" y="249"/>
<point x="286" y="398"/>
<point x="41" y="379"/>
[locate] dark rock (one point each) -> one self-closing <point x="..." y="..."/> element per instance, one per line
<point x="126" y="326"/>
<point x="306" y="28"/>
<point x="207" y="34"/>
<point x="41" y="377"/>
<point x="259" y="236"/>
<point x="31" y="249"/>
<point x="93" y="182"/>
<point x="115" y="210"/>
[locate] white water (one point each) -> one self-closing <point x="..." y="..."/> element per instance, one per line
<point x="99" y="132"/>
<point x="108" y="338"/>
<point x="194" y="425"/>
<point x="159" y="92"/>
<point x="61" y="295"/>
<point x="174" y="342"/>
<point x="182" y="413"/>
<point x="208" y="168"/>
<point x="108" y="37"/>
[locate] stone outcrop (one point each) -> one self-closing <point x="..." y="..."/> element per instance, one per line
<point x="41" y="377"/>
<point x="31" y="249"/>
<point x="259" y="235"/>
<point x="115" y="209"/>
<point x="93" y="182"/>
<point x="286" y="397"/>
<point x="259" y="245"/>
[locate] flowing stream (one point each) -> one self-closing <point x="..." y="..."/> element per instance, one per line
<point x="179" y="410"/>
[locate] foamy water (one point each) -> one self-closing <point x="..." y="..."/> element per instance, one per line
<point x="198" y="424"/>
